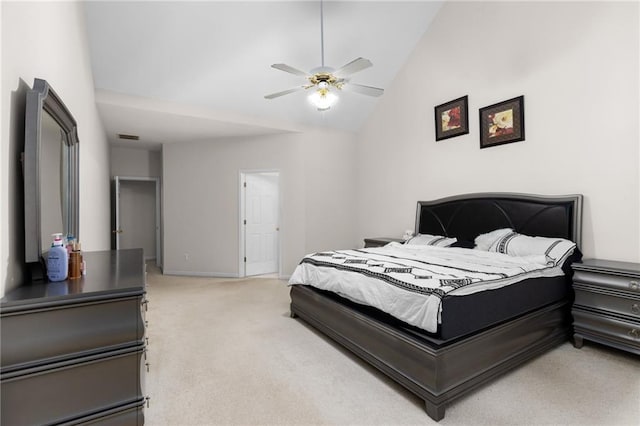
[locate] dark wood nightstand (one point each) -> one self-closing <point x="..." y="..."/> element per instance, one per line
<point x="380" y="241"/>
<point x="607" y="304"/>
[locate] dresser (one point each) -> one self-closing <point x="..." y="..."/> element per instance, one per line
<point x="607" y="303"/>
<point x="380" y="241"/>
<point x="74" y="351"/>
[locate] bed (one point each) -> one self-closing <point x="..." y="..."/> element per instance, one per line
<point x="480" y="335"/>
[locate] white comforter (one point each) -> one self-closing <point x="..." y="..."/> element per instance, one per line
<point x="409" y="282"/>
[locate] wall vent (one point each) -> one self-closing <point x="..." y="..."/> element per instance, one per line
<point x="129" y="137"/>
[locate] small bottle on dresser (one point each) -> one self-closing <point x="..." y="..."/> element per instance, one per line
<point x="75" y="262"/>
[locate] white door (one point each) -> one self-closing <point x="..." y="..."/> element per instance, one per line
<point x="261" y="223"/>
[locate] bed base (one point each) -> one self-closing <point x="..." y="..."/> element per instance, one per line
<point x="436" y="373"/>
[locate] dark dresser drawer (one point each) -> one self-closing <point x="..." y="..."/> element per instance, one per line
<point x="615" y="282"/>
<point x="72" y="389"/>
<point x="608" y="330"/>
<point x="606" y="308"/>
<point x="129" y="415"/>
<point x="38" y="336"/>
<point x="617" y="303"/>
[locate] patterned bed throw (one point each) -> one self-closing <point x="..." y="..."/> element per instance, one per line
<point x="409" y="282"/>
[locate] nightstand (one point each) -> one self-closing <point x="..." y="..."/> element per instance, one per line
<point x="607" y="304"/>
<point x="380" y="241"/>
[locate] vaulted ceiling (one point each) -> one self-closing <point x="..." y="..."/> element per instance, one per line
<point x="175" y="71"/>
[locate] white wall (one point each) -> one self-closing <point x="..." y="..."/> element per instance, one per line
<point x="201" y="198"/>
<point x="135" y="162"/>
<point x="48" y="40"/>
<point x="330" y="186"/>
<point x="576" y="65"/>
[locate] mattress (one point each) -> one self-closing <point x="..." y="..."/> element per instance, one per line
<point x="465" y="315"/>
<point x="435" y="289"/>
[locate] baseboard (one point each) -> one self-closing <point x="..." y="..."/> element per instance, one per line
<point x="200" y="274"/>
<point x="212" y="274"/>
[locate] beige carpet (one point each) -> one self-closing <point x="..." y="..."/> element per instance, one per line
<point x="226" y="352"/>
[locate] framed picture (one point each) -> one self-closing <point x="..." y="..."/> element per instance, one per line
<point x="452" y="118"/>
<point x="502" y="123"/>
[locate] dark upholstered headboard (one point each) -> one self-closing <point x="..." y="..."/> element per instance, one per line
<point x="467" y="216"/>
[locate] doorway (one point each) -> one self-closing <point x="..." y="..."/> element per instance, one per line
<point x="259" y="223"/>
<point x="136" y="215"/>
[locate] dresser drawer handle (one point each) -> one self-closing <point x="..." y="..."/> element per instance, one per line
<point x="634" y="333"/>
<point x="635" y="308"/>
<point x="633" y="285"/>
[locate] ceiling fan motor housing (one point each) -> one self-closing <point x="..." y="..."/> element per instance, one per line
<point x="323" y="78"/>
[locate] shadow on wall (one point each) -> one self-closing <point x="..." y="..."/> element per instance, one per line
<point x="15" y="271"/>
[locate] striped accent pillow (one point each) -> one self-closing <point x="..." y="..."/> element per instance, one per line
<point x="486" y="241"/>
<point x="555" y="250"/>
<point x="431" y="240"/>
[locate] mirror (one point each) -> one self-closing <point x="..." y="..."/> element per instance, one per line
<point x="50" y="166"/>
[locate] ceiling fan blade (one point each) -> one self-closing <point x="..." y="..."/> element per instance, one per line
<point x="284" y="92"/>
<point x="353" y="67"/>
<point x="364" y="90"/>
<point x="289" y="69"/>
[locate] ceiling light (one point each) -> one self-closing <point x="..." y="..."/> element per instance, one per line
<point x="323" y="99"/>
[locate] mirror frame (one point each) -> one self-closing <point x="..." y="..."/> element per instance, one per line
<point x="42" y="98"/>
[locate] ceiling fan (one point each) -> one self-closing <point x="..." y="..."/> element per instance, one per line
<point x="326" y="80"/>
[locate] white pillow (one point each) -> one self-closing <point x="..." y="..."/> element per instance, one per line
<point x="486" y="241"/>
<point x="555" y="250"/>
<point x="431" y="240"/>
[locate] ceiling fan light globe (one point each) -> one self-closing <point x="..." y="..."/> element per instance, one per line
<point x="323" y="99"/>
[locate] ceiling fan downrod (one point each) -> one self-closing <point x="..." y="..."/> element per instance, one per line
<point x="321" y="34"/>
